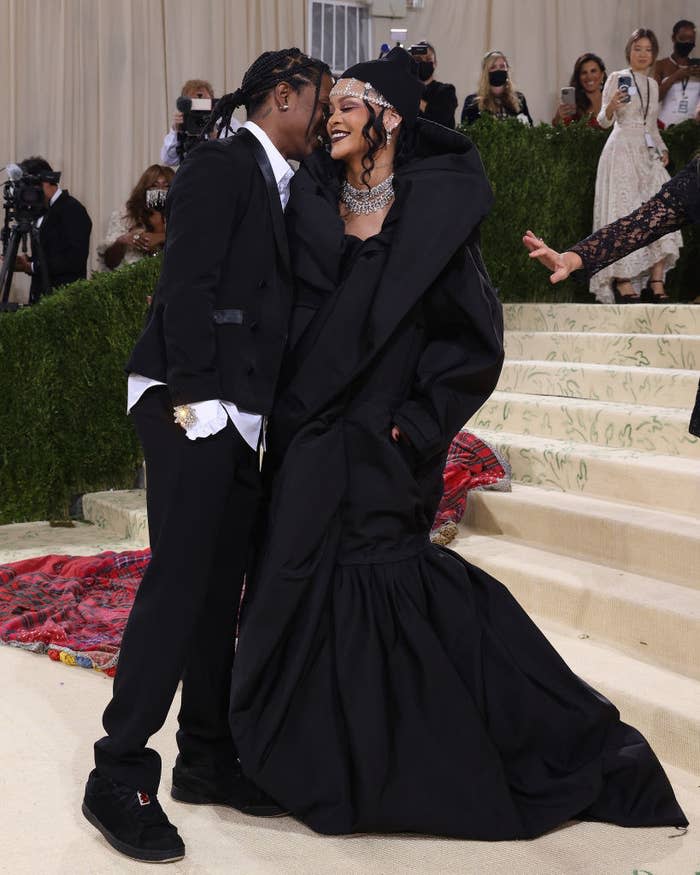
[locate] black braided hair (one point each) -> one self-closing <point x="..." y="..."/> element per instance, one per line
<point x="271" y="68"/>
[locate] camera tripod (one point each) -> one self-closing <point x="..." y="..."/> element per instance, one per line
<point x="12" y="237"/>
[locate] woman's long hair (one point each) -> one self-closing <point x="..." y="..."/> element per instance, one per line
<point x="583" y="101"/>
<point x="509" y="96"/>
<point x="136" y="210"/>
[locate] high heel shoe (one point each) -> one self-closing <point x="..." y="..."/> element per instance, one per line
<point x="650" y="297"/>
<point x="623" y="299"/>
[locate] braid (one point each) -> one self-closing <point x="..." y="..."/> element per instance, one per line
<point x="267" y="71"/>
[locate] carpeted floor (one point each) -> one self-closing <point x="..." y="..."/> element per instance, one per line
<point x="50" y="716"/>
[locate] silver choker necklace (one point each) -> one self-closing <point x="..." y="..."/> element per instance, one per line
<point x="367" y="200"/>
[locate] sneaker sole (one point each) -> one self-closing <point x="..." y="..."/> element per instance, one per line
<point x="130" y="850"/>
<point x="190" y="798"/>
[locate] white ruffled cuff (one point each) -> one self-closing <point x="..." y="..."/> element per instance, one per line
<point x="211" y="417"/>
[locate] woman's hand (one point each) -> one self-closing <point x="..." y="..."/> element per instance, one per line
<point x="395" y="434"/>
<point x="664" y="158"/>
<point x="561" y="264"/>
<point x="148" y="241"/>
<point x="618" y="99"/>
<point x="566" y="111"/>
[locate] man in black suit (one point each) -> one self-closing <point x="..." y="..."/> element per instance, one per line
<point x="201" y="378"/>
<point x="64" y="233"/>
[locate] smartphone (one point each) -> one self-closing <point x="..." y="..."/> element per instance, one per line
<point x="624" y="83"/>
<point x="418" y="50"/>
<point x="568" y="96"/>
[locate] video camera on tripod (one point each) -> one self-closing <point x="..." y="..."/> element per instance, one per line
<point x="24" y="202"/>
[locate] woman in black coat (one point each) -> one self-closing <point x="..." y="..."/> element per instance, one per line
<point x="676" y="205"/>
<point x="383" y="684"/>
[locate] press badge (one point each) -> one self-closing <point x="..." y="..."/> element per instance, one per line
<point x="683" y="106"/>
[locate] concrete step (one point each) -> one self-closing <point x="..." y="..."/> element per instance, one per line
<point x="649" y="479"/>
<point x="626" y="319"/>
<point x="122" y="513"/>
<point x="624" y="536"/>
<point x="27" y="540"/>
<point x="633" y="350"/>
<point x="661" y="387"/>
<point x="661" y="430"/>
<point x="649" y="619"/>
<point x="663" y="705"/>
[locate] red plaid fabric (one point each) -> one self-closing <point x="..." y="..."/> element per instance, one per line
<point x="471" y="464"/>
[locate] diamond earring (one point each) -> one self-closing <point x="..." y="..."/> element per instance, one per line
<point x="388" y="136"/>
<point x="284" y="107"/>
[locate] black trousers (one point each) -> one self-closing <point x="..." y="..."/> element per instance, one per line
<point x="202" y="499"/>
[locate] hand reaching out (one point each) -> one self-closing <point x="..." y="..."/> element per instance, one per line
<point x="560" y="263"/>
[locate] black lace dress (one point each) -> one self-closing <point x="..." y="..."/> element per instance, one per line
<point x="677" y="204"/>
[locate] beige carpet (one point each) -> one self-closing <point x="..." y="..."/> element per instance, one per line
<point x="50" y="716"/>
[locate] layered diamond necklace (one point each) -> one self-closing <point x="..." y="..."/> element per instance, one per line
<point x="367" y="200"/>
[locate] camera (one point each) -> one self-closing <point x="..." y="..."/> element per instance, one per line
<point x="196" y="112"/>
<point x="418" y="50"/>
<point x="23" y="194"/>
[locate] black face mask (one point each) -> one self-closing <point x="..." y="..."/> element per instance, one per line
<point x="683" y="49"/>
<point x="425" y="70"/>
<point x="498" y="77"/>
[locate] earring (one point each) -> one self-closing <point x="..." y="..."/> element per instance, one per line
<point x="284" y="107"/>
<point x="388" y="136"/>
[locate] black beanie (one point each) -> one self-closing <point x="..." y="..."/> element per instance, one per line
<point x="395" y="77"/>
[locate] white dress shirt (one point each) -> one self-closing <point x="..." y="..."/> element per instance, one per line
<point x="212" y="415"/>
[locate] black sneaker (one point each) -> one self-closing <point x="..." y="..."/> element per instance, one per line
<point x="200" y="787"/>
<point x="132" y="821"/>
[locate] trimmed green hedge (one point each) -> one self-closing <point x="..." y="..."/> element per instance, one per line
<point x="544" y="179"/>
<point x="63" y="429"/>
<point x="63" y="426"/>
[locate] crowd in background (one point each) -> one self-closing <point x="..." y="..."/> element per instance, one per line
<point x="664" y="92"/>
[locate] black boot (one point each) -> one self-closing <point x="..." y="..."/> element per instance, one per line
<point x="200" y="786"/>
<point x="132" y="821"/>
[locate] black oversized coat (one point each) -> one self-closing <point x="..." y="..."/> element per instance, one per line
<point x="382" y="684"/>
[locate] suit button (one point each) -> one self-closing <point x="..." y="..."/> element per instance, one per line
<point x="253" y="326"/>
<point x="250" y="371"/>
<point x="262" y="284"/>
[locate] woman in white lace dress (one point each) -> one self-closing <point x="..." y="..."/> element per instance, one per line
<point x="136" y="231"/>
<point x="630" y="171"/>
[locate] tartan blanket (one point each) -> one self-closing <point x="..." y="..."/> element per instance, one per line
<point x="75" y="608"/>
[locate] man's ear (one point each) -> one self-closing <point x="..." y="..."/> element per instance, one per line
<point x="282" y="95"/>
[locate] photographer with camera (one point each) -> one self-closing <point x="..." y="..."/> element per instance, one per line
<point x="439" y="100"/>
<point x="679" y="77"/>
<point x="193" y="107"/>
<point x="63" y="227"/>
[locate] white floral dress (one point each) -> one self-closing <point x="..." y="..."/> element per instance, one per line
<point x="119" y="224"/>
<point x="630" y="173"/>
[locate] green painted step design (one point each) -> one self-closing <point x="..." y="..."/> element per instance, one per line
<point x="661" y="430"/>
<point x="647" y="479"/>
<point x="626" y="319"/>
<point x="632" y="350"/>
<point x="661" y="387"/>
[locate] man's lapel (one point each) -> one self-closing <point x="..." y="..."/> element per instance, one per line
<point x="275" y="205"/>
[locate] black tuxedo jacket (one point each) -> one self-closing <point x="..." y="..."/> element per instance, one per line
<point x="217" y="327"/>
<point x="65" y="241"/>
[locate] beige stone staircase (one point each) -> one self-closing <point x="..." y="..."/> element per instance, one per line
<point x="600" y="538"/>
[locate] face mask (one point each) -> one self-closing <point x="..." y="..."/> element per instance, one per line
<point x="425" y="70"/>
<point x="683" y="49"/>
<point x="498" y="77"/>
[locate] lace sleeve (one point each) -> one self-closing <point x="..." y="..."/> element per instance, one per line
<point x="664" y="213"/>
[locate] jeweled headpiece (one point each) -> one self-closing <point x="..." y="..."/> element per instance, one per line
<point x="394" y="79"/>
<point x="360" y="90"/>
